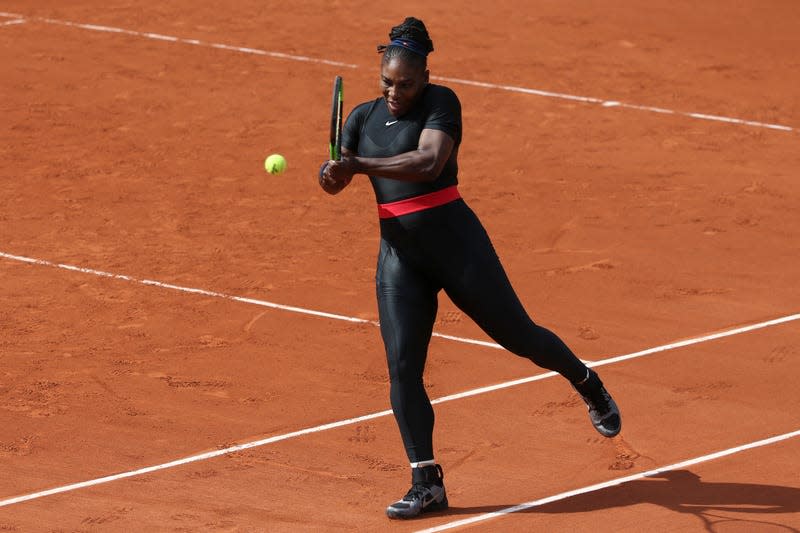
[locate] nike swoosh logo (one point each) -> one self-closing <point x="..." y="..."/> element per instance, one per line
<point x="390" y="122"/>
<point x="431" y="495"/>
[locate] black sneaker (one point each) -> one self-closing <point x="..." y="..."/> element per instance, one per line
<point x="426" y="494"/>
<point x="603" y="411"/>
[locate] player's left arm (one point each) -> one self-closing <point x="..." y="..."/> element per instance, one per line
<point x="420" y="165"/>
<point x="335" y="183"/>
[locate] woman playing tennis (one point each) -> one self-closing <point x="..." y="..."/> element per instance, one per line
<point x="407" y="143"/>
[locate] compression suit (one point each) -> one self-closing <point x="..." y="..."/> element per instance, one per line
<point x="431" y="240"/>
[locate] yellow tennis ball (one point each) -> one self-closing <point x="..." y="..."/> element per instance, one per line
<point x="275" y="164"/>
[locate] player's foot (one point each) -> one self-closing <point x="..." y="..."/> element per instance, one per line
<point x="603" y="411"/>
<point x="426" y="494"/>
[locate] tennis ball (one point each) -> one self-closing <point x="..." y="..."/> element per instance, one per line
<point x="275" y="164"/>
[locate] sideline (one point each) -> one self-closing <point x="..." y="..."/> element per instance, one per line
<point x="340" y="423"/>
<point x="213" y="294"/>
<point x="335" y="316"/>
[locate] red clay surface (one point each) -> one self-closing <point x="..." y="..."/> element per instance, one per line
<point x="621" y="229"/>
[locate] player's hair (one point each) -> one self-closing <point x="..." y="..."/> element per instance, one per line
<point x="410" y="41"/>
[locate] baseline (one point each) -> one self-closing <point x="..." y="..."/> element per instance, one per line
<point x="612" y="483"/>
<point x="615" y="103"/>
<point x="196" y="42"/>
<point x="12" y="22"/>
<point x="537" y="92"/>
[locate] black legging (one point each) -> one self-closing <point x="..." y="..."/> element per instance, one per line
<point x="447" y="248"/>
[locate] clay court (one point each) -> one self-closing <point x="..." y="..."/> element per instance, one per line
<point x="189" y="344"/>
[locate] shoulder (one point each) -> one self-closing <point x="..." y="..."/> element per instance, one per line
<point x="442" y="101"/>
<point x="440" y="93"/>
<point x="362" y="109"/>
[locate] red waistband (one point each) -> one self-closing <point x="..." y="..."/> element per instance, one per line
<point x="418" y="203"/>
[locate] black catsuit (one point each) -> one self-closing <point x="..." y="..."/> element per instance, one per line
<point x="443" y="247"/>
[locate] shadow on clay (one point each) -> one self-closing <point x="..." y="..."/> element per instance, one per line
<point x="680" y="491"/>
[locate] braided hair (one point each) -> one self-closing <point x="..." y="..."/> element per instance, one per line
<point x="410" y="41"/>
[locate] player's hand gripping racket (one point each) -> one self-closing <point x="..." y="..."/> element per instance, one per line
<point x="336" y="120"/>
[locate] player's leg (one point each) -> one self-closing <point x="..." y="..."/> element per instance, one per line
<point x="407" y="304"/>
<point x="475" y="280"/>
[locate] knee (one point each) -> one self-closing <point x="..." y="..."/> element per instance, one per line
<point x="404" y="370"/>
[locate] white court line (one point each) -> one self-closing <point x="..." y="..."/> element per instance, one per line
<point x="510" y="88"/>
<point x="195" y="42"/>
<point x="335" y="316"/>
<point x="192" y="459"/>
<point x="620" y="358"/>
<point x="12" y="22"/>
<point x="203" y="292"/>
<point x="611" y="483"/>
<point x="615" y="103"/>
<point x="605" y="103"/>
<point x="332" y="425"/>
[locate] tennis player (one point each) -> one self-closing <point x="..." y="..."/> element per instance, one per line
<point x="407" y="142"/>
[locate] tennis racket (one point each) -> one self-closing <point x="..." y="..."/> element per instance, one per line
<point x="336" y="120"/>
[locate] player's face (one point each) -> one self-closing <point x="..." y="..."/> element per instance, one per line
<point x="402" y="83"/>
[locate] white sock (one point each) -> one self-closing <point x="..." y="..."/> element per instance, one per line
<point x="420" y="464"/>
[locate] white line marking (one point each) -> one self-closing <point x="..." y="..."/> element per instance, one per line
<point x="192" y="459"/>
<point x="614" y="103"/>
<point x="269" y="440"/>
<point x="611" y="483"/>
<point x="654" y="109"/>
<point x="242" y="299"/>
<point x="696" y="340"/>
<point x="486" y="344"/>
<point x="620" y="358"/>
<point x="12" y="22"/>
<point x="196" y="42"/>
<point x="510" y="88"/>
<point x="209" y="455"/>
<point x="738" y="121"/>
<point x="334" y="316"/>
<point x="524" y="90"/>
<point x="202" y="292"/>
